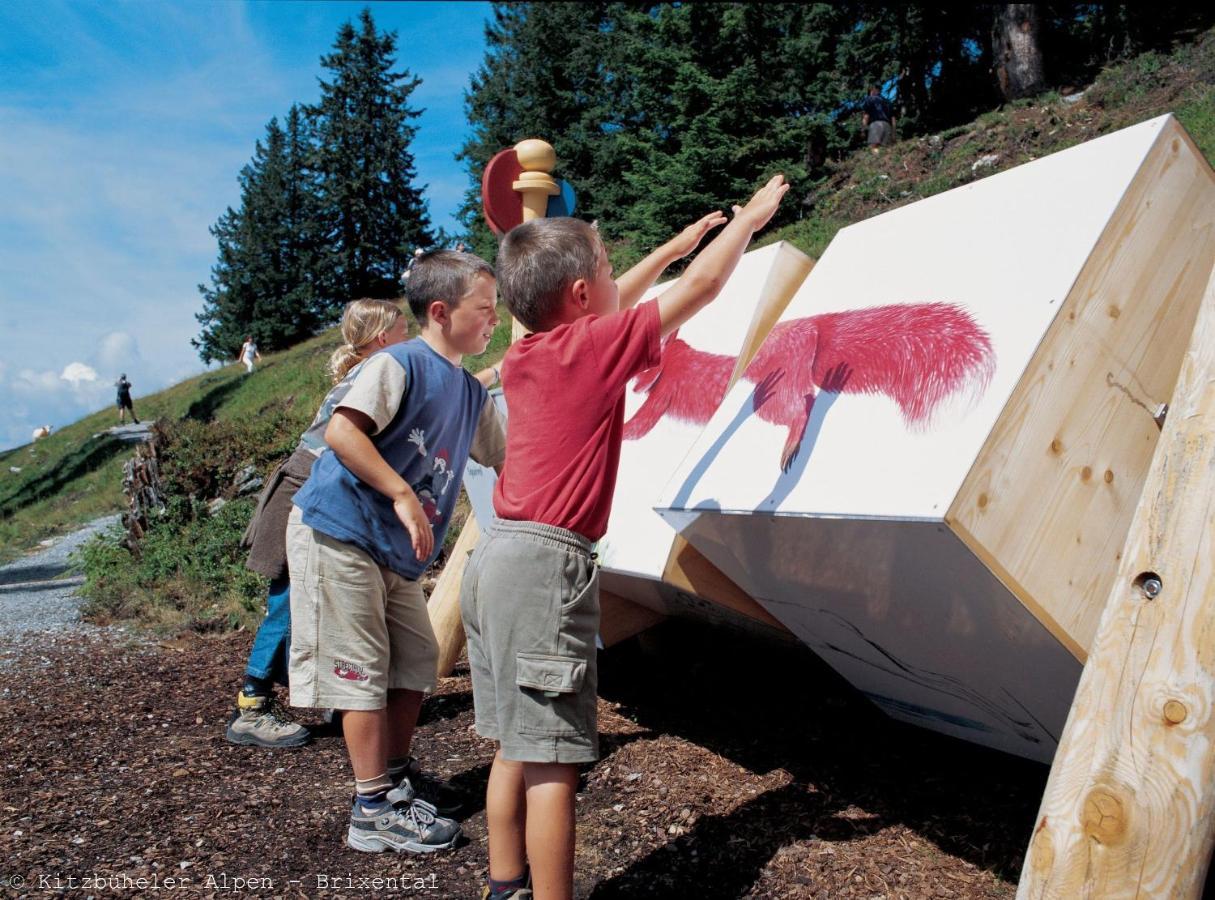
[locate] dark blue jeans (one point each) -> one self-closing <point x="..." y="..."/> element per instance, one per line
<point x="268" y="658"/>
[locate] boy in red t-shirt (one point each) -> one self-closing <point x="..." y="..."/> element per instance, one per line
<point x="530" y="595"/>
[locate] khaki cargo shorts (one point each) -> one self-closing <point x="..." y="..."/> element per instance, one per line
<point x="358" y="630"/>
<point x="530" y="605"/>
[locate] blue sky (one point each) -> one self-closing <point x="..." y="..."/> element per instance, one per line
<point x="122" y="129"/>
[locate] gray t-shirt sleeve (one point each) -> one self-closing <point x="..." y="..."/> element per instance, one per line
<point x="378" y="390"/>
<point x="489" y="441"/>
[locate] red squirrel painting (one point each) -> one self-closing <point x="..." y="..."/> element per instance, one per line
<point x="916" y="354"/>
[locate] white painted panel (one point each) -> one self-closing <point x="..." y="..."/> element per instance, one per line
<point x="479" y="481"/>
<point x="638" y="542"/>
<point x="1000" y="254"/>
<point x="909" y="616"/>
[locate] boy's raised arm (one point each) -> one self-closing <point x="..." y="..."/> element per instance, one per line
<point x="632" y="285"/>
<point x="704" y="278"/>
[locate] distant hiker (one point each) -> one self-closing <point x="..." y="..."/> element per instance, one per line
<point x="367" y="326"/>
<point x="42" y="431"/>
<point x="418" y="253"/>
<point x="529" y="599"/>
<point x="124" y="400"/>
<point x="248" y="354"/>
<point x="877" y="118"/>
<point x="369" y="521"/>
<point x="459" y="246"/>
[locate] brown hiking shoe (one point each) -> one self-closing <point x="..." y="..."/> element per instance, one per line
<point x="262" y="721"/>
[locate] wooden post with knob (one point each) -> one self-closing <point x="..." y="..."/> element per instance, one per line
<point x="536" y="185"/>
<point x="536" y="182"/>
<point x="1129" y="809"/>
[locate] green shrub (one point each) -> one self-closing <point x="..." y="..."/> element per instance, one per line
<point x="189" y="572"/>
<point x="1197" y="114"/>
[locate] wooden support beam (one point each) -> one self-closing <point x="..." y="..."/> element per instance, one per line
<point x="444" y="602"/>
<point x="536" y="184"/>
<point x="620" y="619"/>
<point x="1129" y="809"/>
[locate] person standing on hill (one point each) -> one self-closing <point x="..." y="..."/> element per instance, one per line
<point x="248" y="354"/>
<point x="877" y="118"/>
<point x="124" y="400"/>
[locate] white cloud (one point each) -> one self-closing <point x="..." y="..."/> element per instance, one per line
<point x="76" y="373"/>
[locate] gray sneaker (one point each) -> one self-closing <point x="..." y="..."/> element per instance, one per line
<point x="416" y="784"/>
<point x="409" y="827"/>
<point x="262" y="721"/>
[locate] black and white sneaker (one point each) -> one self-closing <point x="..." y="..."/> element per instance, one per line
<point x="413" y="783"/>
<point x="405" y="828"/>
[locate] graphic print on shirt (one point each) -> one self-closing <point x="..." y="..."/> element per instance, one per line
<point x="418" y="436"/>
<point x="435" y="484"/>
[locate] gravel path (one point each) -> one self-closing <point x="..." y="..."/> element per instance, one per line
<point x="34" y="595"/>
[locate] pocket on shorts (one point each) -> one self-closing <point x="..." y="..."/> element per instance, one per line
<point x="553" y="675"/>
<point x="550" y="696"/>
<point x="585" y="587"/>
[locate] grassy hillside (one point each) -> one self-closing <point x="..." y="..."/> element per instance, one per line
<point x="76" y="474"/>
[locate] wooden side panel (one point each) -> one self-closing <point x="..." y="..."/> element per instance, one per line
<point x="1129" y="809"/>
<point x="788" y="272"/>
<point x="689" y="571"/>
<point x="620" y="619"/>
<point x="1050" y="497"/>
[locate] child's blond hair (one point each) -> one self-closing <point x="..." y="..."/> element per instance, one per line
<point x="362" y="322"/>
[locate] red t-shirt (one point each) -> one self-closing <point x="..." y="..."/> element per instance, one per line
<point x="565" y="397"/>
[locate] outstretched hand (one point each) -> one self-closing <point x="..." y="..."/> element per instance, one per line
<point x="763" y="205"/>
<point x="689" y="239"/>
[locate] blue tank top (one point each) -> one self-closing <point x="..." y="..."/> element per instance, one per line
<point x="427" y="442"/>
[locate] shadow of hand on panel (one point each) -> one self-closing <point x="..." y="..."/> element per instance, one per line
<point x="761" y="394"/>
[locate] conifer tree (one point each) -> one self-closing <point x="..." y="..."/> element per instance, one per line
<point x="262" y="283"/>
<point x="542" y="77"/>
<point x="370" y="209"/>
<point x="661" y="111"/>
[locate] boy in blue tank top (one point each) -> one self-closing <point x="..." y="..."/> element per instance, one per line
<point x="368" y="523"/>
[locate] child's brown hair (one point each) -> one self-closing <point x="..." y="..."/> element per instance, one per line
<point x="538" y="260"/>
<point x="445" y="275"/>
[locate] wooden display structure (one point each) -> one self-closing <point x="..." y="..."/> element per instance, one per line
<point x="955" y="572"/>
<point x="1129" y="808"/>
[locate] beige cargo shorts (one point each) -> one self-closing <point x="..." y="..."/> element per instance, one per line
<point x="530" y="605"/>
<point x="358" y="630"/>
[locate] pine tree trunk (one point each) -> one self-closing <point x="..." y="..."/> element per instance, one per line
<point x="1014" y="44"/>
